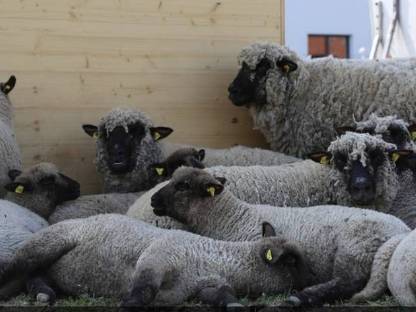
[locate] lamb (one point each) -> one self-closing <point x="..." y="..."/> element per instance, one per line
<point x="238" y="156"/>
<point x="115" y="256"/>
<point x="339" y="242"/>
<point x="127" y="143"/>
<point x="89" y="205"/>
<point x="32" y="196"/>
<point x="367" y="160"/>
<point x="10" y="157"/>
<point x="297" y="104"/>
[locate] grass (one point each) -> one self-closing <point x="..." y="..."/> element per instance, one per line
<point x="86" y="301"/>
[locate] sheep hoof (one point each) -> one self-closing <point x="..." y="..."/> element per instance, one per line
<point x="42" y="298"/>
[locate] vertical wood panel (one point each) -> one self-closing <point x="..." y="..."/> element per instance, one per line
<point x="76" y="59"/>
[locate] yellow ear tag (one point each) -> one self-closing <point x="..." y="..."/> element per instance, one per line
<point x="413" y="135"/>
<point x="324" y="160"/>
<point x="269" y="255"/>
<point x="211" y="191"/>
<point x="96" y="135"/>
<point x="160" y="171"/>
<point x="395" y="156"/>
<point x="286" y="68"/>
<point x="156" y="136"/>
<point x="19" y="189"/>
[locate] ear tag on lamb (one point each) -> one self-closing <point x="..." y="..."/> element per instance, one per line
<point x="324" y="160"/>
<point x="211" y="191"/>
<point x="395" y="156"/>
<point x="96" y="135"/>
<point x="413" y="135"/>
<point x="19" y="189"/>
<point x="269" y="255"/>
<point x="159" y="171"/>
<point x="156" y="136"/>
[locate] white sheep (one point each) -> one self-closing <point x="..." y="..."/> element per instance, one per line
<point x="298" y="103"/>
<point x="339" y="242"/>
<point x="10" y="157"/>
<point x="115" y="256"/>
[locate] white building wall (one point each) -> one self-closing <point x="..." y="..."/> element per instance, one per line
<point x="339" y="17"/>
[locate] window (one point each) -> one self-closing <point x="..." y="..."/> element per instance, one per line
<point x="323" y="45"/>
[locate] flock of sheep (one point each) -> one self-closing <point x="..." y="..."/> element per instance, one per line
<point x="177" y="222"/>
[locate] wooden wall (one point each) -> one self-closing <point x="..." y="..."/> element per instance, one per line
<point x="76" y="59"/>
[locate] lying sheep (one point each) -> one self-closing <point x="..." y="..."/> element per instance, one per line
<point x="89" y="205"/>
<point x="360" y="173"/>
<point x="339" y="242"/>
<point x="238" y="156"/>
<point x="127" y="143"/>
<point x="297" y="104"/>
<point x="116" y="256"/>
<point x="32" y="196"/>
<point x="10" y="157"/>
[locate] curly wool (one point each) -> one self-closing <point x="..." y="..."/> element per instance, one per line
<point x="10" y="156"/>
<point x="236" y="156"/>
<point x="148" y="152"/>
<point x="380" y="125"/>
<point x="304" y="107"/>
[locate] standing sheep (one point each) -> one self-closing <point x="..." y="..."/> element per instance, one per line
<point x="339" y="242"/>
<point x="32" y="196"/>
<point x="116" y="256"/>
<point x="10" y="157"/>
<point x="127" y="143"/>
<point x="89" y="205"/>
<point x="297" y="104"/>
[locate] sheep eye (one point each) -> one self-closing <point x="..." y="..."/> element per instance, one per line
<point x="182" y="186"/>
<point x="340" y="161"/>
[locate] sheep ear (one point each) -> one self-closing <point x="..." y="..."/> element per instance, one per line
<point x="267" y="230"/>
<point x="323" y="158"/>
<point x="160" y="169"/>
<point x="14" y="173"/>
<point x="159" y="133"/>
<point x="341" y="130"/>
<point x="412" y="130"/>
<point x="286" y="65"/>
<point x="15" y="188"/>
<point x="91" y="130"/>
<point x="395" y="155"/>
<point x="213" y="189"/>
<point x="201" y="154"/>
<point x="222" y="180"/>
<point x="8" y="85"/>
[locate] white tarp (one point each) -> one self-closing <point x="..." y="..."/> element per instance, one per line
<point x="403" y="42"/>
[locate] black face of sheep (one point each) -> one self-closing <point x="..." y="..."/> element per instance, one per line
<point x="8" y="86"/>
<point x="56" y="188"/>
<point x="186" y="157"/>
<point x="175" y="198"/>
<point x="249" y="85"/>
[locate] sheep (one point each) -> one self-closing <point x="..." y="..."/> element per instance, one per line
<point x="127" y="143"/>
<point x="339" y="242"/>
<point x="297" y="104"/>
<point x="115" y="256"/>
<point x="237" y="156"/>
<point x="357" y="158"/>
<point x="32" y="196"/>
<point x="10" y="157"/>
<point x="89" y="205"/>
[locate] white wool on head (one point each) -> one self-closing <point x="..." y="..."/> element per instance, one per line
<point x="356" y="145"/>
<point x="381" y="124"/>
<point x="123" y="117"/>
<point x="254" y="53"/>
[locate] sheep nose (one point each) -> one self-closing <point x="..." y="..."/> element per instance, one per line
<point x="361" y="184"/>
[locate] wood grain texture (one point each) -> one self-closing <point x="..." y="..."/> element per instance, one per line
<point x="76" y="59"/>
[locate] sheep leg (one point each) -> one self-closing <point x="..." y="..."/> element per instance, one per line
<point x="219" y="296"/>
<point x="39" y="288"/>
<point x="316" y="295"/>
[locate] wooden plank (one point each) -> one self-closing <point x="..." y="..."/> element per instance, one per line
<point x="77" y="59"/>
